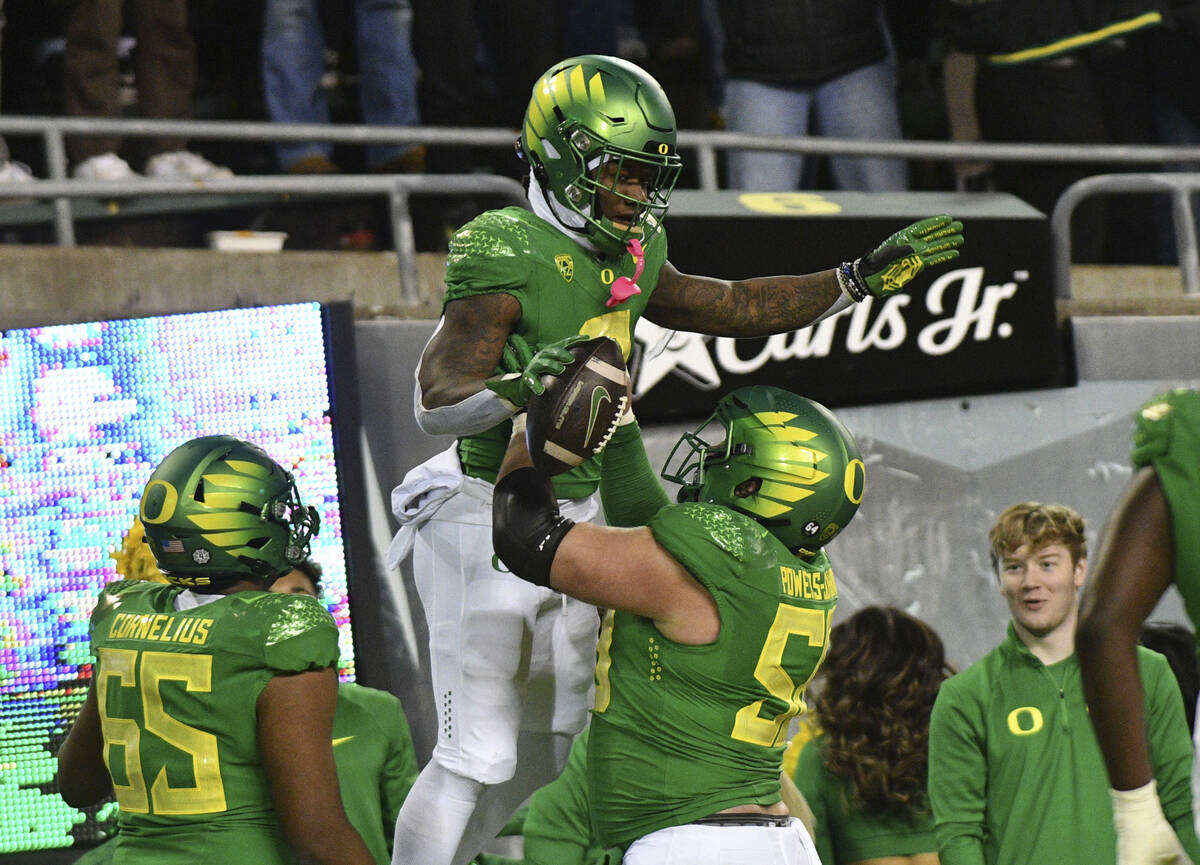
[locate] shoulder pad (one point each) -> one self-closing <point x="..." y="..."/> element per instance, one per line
<point x="291" y="615"/>
<point x="492" y="234"/>
<point x="736" y="534"/>
<point x="1156" y="419"/>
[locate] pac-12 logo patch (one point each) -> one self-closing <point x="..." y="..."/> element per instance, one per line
<point x="566" y="266"/>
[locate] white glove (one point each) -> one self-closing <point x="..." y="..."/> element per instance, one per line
<point x="1144" y="837"/>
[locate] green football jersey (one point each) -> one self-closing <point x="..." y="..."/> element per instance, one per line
<point x="177" y="692"/>
<point x="376" y="764"/>
<point x="1167" y="436"/>
<point x="680" y="732"/>
<point x="562" y="288"/>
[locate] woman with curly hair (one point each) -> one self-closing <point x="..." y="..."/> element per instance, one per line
<point x="864" y="772"/>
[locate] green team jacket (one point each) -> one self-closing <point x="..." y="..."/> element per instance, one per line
<point x="177" y="694"/>
<point x="562" y="288"/>
<point x="680" y="732"/>
<point x="845" y="832"/>
<point x="1015" y="773"/>
<point x="1167" y="436"/>
<point x="376" y="765"/>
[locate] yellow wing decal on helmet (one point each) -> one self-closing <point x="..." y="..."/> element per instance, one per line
<point x="596" y="88"/>
<point x="784" y="492"/>
<point x="577" y="88"/>
<point x="228" y="501"/>
<point x="776" y="424"/>
<point x="248" y="468"/>
<point x="226" y="520"/>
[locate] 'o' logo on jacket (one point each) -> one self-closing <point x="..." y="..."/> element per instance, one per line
<point x="1025" y="721"/>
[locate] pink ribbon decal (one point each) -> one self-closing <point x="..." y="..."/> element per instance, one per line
<point x="623" y="287"/>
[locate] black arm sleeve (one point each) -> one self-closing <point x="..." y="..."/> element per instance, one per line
<point x="526" y="525"/>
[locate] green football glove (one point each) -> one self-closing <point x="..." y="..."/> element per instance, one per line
<point x="518" y="387"/>
<point x="515" y="356"/>
<point x="901" y="257"/>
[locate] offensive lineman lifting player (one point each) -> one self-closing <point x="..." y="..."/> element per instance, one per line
<point x="719" y="616"/>
<point x="511" y="662"/>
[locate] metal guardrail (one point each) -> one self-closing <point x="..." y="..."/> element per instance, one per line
<point x="1179" y="185"/>
<point x="397" y="188"/>
<point x="706" y="144"/>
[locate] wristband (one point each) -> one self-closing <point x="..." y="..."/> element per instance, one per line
<point x="851" y="282"/>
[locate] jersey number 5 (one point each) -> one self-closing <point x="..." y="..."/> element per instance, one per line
<point x="195" y="671"/>
<point x="749" y="725"/>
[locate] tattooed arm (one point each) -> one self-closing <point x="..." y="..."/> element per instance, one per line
<point x="451" y="397"/>
<point x="772" y="304"/>
<point x="746" y="307"/>
<point x="466" y="347"/>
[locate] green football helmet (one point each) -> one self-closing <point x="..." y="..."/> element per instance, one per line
<point x="590" y="110"/>
<point x="218" y="510"/>
<point x="807" y="467"/>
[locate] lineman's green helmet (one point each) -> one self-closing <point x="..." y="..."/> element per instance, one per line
<point x="593" y="109"/>
<point x="218" y="510"/>
<point x="808" y="469"/>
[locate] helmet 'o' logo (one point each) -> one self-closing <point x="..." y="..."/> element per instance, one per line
<point x="664" y="148"/>
<point x="566" y="266"/>
<point x="158" y="502"/>
<point x="854" y="481"/>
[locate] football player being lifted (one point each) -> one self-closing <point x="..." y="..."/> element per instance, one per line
<point x="720" y="612"/>
<point x="511" y="662"/>
<point x="211" y="703"/>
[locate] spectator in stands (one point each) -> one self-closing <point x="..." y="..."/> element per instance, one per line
<point x="293" y="63"/>
<point x="864" y="774"/>
<point x="10" y="172"/>
<point x="165" y="69"/>
<point x="1015" y="771"/>
<point x="825" y="65"/>
<point x="1077" y="73"/>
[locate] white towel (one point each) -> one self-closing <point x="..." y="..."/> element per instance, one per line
<point x="419" y="496"/>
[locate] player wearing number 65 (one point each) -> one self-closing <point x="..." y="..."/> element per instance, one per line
<point x="211" y="705"/>
<point x="720" y="610"/>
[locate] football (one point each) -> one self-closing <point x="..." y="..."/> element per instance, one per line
<point x="578" y="412"/>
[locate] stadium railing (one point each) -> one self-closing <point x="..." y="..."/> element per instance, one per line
<point x="1179" y="185"/>
<point x="706" y="145"/>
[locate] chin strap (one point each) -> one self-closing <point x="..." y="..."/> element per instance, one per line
<point x="623" y="287"/>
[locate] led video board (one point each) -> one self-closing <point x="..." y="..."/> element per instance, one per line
<point x="86" y="413"/>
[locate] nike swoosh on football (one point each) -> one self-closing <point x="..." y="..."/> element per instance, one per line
<point x="598" y="394"/>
